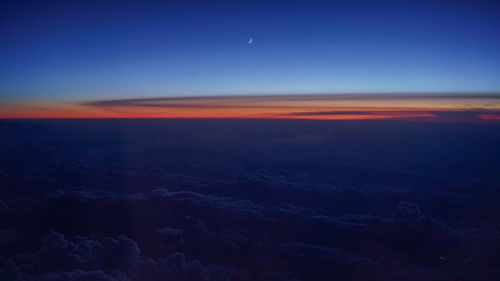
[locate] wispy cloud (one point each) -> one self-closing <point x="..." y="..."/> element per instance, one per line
<point x="443" y="106"/>
<point x="449" y="106"/>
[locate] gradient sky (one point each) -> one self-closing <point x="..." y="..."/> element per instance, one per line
<point x="87" y="50"/>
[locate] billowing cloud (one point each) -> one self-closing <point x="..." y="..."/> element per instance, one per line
<point x="274" y="200"/>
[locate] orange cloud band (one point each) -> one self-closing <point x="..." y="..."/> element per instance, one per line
<point x="332" y="107"/>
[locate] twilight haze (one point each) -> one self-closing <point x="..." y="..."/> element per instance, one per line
<point x="249" y="140"/>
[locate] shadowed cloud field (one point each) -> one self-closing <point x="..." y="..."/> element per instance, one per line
<point x="247" y="199"/>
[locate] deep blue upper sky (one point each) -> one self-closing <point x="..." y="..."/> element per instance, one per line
<point x="103" y="49"/>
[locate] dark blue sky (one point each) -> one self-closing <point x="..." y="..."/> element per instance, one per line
<point x="73" y="50"/>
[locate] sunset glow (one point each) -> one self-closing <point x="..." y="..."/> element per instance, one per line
<point x="331" y="107"/>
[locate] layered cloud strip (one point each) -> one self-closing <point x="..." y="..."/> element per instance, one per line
<point x="461" y="107"/>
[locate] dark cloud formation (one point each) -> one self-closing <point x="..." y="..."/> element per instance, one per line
<point x="207" y="101"/>
<point x="7" y="237"/>
<point x="455" y="115"/>
<point x="172" y="200"/>
<point x="79" y="275"/>
<point x="333" y="113"/>
<point x="108" y="259"/>
<point x="58" y="253"/>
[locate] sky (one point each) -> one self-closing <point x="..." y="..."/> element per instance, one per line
<point x="79" y="51"/>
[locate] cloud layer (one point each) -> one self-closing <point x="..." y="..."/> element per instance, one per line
<point x="266" y="200"/>
<point x="431" y="106"/>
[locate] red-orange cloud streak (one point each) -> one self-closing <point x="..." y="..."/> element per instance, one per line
<point x="331" y="107"/>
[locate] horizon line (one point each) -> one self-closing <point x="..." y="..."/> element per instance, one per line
<point x="292" y="106"/>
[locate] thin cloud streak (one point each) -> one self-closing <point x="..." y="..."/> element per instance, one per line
<point x="181" y="101"/>
<point x="485" y="114"/>
<point x="449" y="106"/>
<point x="443" y="106"/>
